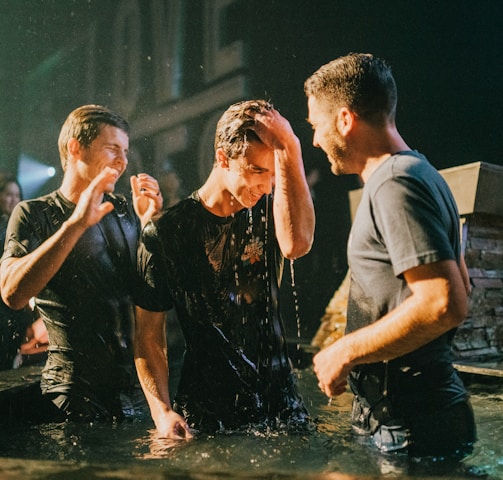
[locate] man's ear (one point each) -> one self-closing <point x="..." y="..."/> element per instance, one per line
<point x="73" y="146"/>
<point x="345" y="120"/>
<point x="221" y="158"/>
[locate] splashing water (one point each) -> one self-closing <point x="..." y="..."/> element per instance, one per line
<point x="133" y="450"/>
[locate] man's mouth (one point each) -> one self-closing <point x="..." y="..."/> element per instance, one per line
<point x="255" y="196"/>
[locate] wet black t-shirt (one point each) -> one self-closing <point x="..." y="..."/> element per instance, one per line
<point x="222" y="275"/>
<point x="87" y="305"/>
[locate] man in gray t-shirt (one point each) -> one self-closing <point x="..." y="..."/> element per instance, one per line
<point x="409" y="283"/>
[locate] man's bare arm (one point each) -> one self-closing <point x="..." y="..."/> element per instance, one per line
<point x="437" y="304"/>
<point x="152" y="366"/>
<point x="23" y="278"/>
<point x="294" y="216"/>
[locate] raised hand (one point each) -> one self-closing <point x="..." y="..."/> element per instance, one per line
<point x="90" y="208"/>
<point x="273" y="129"/>
<point x="147" y="198"/>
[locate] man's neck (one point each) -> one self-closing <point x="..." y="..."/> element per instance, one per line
<point x="387" y="145"/>
<point x="71" y="188"/>
<point x="215" y="198"/>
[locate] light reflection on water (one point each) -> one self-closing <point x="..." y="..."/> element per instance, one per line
<point x="132" y="450"/>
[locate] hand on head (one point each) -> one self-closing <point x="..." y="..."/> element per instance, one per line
<point x="272" y="128"/>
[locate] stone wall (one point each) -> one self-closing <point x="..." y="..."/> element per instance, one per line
<point x="481" y="335"/>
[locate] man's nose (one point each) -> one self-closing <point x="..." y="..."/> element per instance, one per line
<point x="121" y="159"/>
<point x="268" y="184"/>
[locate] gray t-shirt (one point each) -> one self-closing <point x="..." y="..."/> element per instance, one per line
<point x="407" y="217"/>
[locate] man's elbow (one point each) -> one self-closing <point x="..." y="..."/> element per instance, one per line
<point x="459" y="311"/>
<point x="297" y="248"/>
<point x="12" y="300"/>
<point x="455" y="311"/>
<point x="10" y="292"/>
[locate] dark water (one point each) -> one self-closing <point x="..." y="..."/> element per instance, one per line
<point x="131" y="449"/>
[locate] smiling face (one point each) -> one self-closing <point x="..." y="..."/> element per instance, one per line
<point x="326" y="135"/>
<point x="108" y="149"/>
<point x="251" y="176"/>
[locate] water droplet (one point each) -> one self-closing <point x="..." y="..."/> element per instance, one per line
<point x="296" y="304"/>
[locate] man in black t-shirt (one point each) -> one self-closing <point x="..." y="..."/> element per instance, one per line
<point x="74" y="251"/>
<point x="216" y="257"/>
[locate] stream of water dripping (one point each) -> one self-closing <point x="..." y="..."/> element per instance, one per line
<point x="295" y="304"/>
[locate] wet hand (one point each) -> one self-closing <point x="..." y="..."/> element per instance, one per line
<point x="273" y="129"/>
<point x="147" y="198"/>
<point x="37" y="339"/>
<point x="173" y="426"/>
<point x="90" y="208"/>
<point x="331" y="374"/>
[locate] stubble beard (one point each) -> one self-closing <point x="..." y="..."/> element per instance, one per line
<point x="337" y="160"/>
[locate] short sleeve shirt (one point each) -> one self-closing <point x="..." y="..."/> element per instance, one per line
<point x="407" y="217"/>
<point x="87" y="305"/>
<point x="222" y="275"/>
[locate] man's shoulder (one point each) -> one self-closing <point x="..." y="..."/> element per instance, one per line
<point x="184" y="210"/>
<point x="173" y="220"/>
<point x="38" y="204"/>
<point x="403" y="167"/>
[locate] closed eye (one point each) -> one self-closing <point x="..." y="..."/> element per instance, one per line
<point x="116" y="150"/>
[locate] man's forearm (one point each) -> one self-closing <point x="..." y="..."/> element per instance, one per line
<point x="23" y="278"/>
<point x="294" y="216"/>
<point x="151" y="360"/>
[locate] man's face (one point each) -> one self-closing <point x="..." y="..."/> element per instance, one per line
<point x="9" y="198"/>
<point x="109" y="149"/>
<point x="252" y="175"/>
<point x="326" y="134"/>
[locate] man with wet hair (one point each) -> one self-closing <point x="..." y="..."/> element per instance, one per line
<point x="408" y="280"/>
<point x="74" y="250"/>
<point x="217" y="257"/>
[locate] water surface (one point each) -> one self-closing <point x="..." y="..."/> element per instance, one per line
<point x="132" y="450"/>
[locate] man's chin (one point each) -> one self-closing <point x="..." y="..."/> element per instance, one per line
<point x="110" y="188"/>
<point x="336" y="169"/>
<point x="254" y="200"/>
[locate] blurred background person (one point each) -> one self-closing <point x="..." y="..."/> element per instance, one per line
<point x="171" y="187"/>
<point x="16" y="326"/>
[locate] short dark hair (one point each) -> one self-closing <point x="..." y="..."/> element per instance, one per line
<point x="359" y="81"/>
<point x="235" y="128"/>
<point x="85" y="124"/>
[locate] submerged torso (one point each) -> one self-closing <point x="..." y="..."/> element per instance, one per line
<point x="222" y="275"/>
<point x="87" y="305"/>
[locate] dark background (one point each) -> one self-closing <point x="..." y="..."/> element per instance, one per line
<point x="446" y="56"/>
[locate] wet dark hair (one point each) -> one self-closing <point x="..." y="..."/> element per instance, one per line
<point x="85" y="124"/>
<point x="359" y="81"/>
<point x="235" y="128"/>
